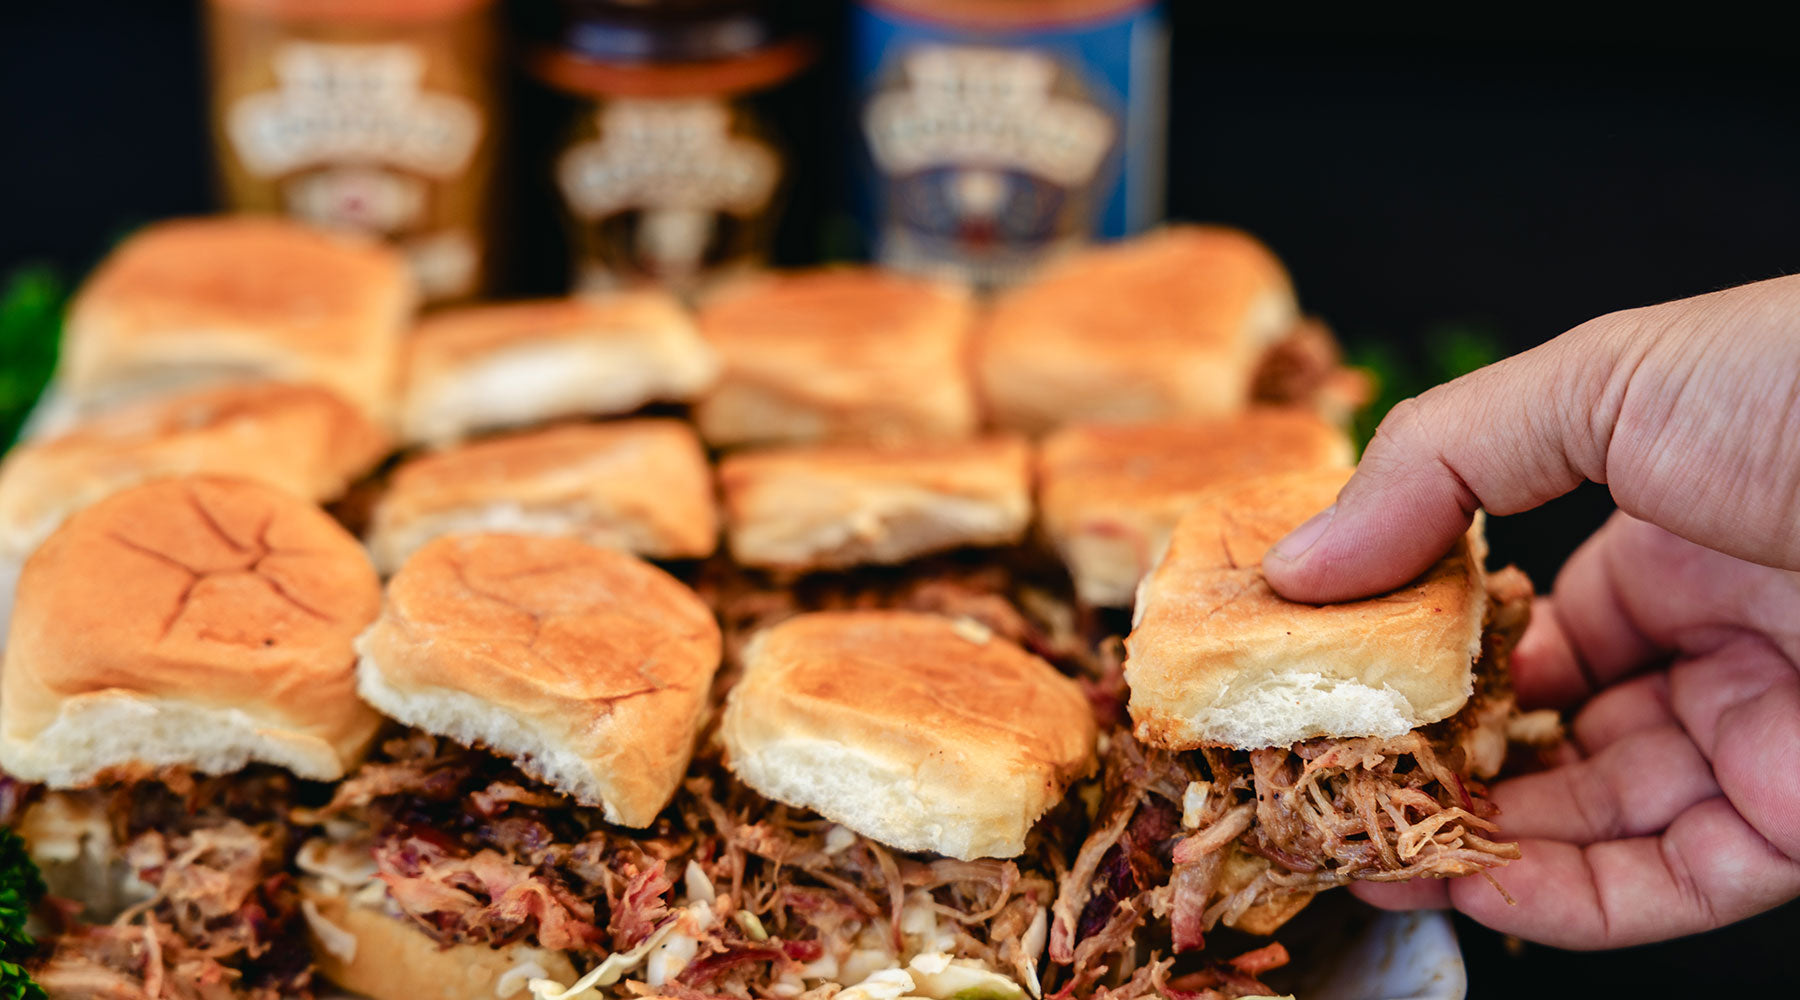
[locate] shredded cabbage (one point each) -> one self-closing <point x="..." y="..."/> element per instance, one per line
<point x="516" y="977"/>
<point x="337" y="942"/>
<point x="604" y="974"/>
<point x="699" y="887"/>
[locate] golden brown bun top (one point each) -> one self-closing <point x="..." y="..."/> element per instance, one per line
<point x="304" y="439"/>
<point x="921" y="732"/>
<point x="467" y="474"/>
<point x="588" y="665"/>
<point x="808" y="330"/>
<point x="933" y="675"/>
<point x="1215" y="657"/>
<point x="1170" y="288"/>
<point x="1145" y="463"/>
<point x="833" y="312"/>
<point x="252" y="271"/>
<point x="516" y="617"/>
<point x="215" y="593"/>
<point x="449" y="337"/>
<point x="651" y="472"/>
<point x="974" y="467"/>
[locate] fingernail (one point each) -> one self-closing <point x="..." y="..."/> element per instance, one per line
<point x="1304" y="537"/>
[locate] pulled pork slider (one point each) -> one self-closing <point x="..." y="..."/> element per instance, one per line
<point x="1111" y="493"/>
<point x="490" y="367"/>
<point x="581" y="676"/>
<point x="1173" y="323"/>
<point x="180" y="651"/>
<point x="231" y="297"/>
<point x="1278" y="749"/>
<point x="835" y="506"/>
<point x="843" y="355"/>
<point x="642" y="486"/>
<point x="923" y="732"/>
<point x="911" y="732"/>
<point x="302" y="439"/>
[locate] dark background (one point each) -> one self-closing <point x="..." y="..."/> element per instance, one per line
<point x="1423" y="183"/>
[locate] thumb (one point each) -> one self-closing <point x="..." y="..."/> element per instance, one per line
<point x="1506" y="438"/>
<point x="1689" y="411"/>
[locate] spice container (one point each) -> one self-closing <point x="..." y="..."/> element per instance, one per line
<point x="373" y="115"/>
<point x="669" y="171"/>
<point x="999" y="133"/>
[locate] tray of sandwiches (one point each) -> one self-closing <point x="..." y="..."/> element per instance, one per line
<point x="840" y="634"/>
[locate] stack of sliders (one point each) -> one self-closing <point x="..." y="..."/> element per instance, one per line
<point x="179" y="656"/>
<point x="903" y="756"/>
<point x="1277" y="749"/>
<point x="893" y="791"/>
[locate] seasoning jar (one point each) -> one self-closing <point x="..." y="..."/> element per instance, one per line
<point x="669" y="171"/>
<point x="373" y="115"/>
<point x="996" y="134"/>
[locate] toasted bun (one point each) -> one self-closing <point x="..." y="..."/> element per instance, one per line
<point x="198" y="622"/>
<point x="845" y="354"/>
<point x="922" y="732"/>
<point x="1215" y="658"/>
<point x="1111" y="493"/>
<point x="1168" y="324"/>
<point x="589" y="667"/>
<point x="233" y="297"/>
<point x="638" y="485"/>
<point x="834" y="506"/>
<point x="392" y="959"/>
<point x="495" y="366"/>
<point x="302" y="439"/>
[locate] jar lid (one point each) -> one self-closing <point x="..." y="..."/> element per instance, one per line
<point x="663" y="31"/>
<point x="1010" y="14"/>
<point x="755" y="70"/>
<point x="361" y="11"/>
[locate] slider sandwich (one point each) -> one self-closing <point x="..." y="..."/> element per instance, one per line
<point x="302" y="439"/>
<point x="180" y="654"/>
<point x="491" y="367"/>
<point x="1171" y="324"/>
<point x="229" y="298"/>
<point x="819" y="507"/>
<point x="1278" y="749"/>
<point x="553" y="691"/>
<point x="910" y="754"/>
<point x="848" y="355"/>
<point x="1110" y="494"/>
<point x="639" y="485"/>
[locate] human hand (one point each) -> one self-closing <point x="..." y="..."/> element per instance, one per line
<point x="1677" y="624"/>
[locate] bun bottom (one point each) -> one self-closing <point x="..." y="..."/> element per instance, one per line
<point x="394" y="960"/>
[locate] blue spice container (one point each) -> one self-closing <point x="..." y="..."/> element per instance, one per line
<point x="996" y="134"/>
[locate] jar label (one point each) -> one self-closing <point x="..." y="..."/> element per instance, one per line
<point x="989" y="148"/>
<point x="676" y="166"/>
<point x="335" y="103"/>
<point x="351" y="138"/>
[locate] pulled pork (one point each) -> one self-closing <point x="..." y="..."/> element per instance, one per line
<point x="221" y="918"/>
<point x="1246" y="838"/>
<point x="1013" y="597"/>
<point x="473" y="851"/>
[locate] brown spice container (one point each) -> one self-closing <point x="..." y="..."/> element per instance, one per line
<point x="374" y="115"/>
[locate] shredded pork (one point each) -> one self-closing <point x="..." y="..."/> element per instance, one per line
<point x="1215" y="836"/>
<point x="784" y="888"/>
<point x="222" y="918"/>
